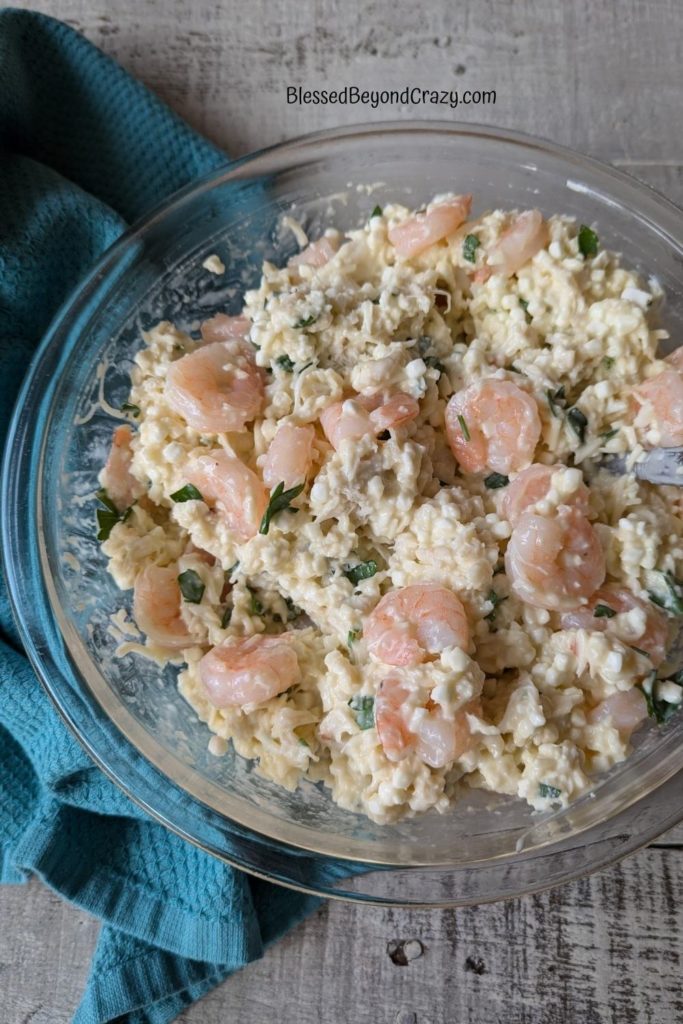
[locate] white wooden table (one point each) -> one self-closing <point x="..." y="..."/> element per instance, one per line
<point x="601" y="76"/>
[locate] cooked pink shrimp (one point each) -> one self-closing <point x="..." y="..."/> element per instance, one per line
<point x="675" y="359"/>
<point x="555" y="562"/>
<point x="317" y="254"/>
<point x="655" y="636"/>
<point x="493" y="424"/>
<point x="523" y="239"/>
<point x="531" y="486"/>
<point x="481" y="275"/>
<point x="625" y="710"/>
<point x="425" y="229"/>
<point x="409" y="624"/>
<point x="217" y="387"/>
<point x="250" y="671"/>
<point x="366" y="414"/>
<point x="116" y="477"/>
<point x="156" y="606"/>
<point x="289" y="456"/>
<point x="438" y="742"/>
<point x="225" y="328"/>
<point x="664" y="395"/>
<point x="224" y="480"/>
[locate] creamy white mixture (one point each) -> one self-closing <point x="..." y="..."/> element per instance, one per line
<point x="571" y="329"/>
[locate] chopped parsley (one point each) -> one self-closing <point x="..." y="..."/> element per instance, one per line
<point x="227" y="615"/>
<point x="285" y="363"/>
<point x="305" y="322"/>
<point x="495" y="480"/>
<point x="608" y="362"/>
<point x="607" y="435"/>
<point x="469" y="248"/>
<point x="588" y="241"/>
<point x="255" y="605"/>
<point x="279" y="502"/>
<point x="603" y="611"/>
<point x="657" y="707"/>
<point x="495" y="600"/>
<point x="191" y="586"/>
<point x="109" y="516"/>
<point x="354" y="634"/>
<point x="228" y="572"/>
<point x="556" y="400"/>
<point x="578" y="422"/>
<point x="364" y="711"/>
<point x="670" y="599"/>
<point x="525" y="306"/>
<point x="362" y="571"/>
<point x="547" y="792"/>
<point x="134" y="410"/>
<point x="465" y="429"/>
<point x="187" y="493"/>
<point x="377" y="212"/>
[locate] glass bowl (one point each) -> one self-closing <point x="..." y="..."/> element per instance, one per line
<point x="127" y="712"/>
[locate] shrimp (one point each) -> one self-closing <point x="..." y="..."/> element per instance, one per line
<point x="493" y="424"/>
<point x="523" y="239"/>
<point x="248" y="671"/>
<point x="624" y="710"/>
<point x="663" y="396"/>
<point x="225" y="328"/>
<point x="157" y="603"/>
<point x="418" y="233"/>
<point x="289" y="456"/>
<point x="317" y="254"/>
<point x="438" y="741"/>
<point x="223" y="479"/>
<point x="409" y="624"/>
<point x="217" y="387"/>
<point x="555" y="562"/>
<point x="531" y="486"/>
<point x="116" y="477"/>
<point x="366" y="414"/>
<point x="652" y="638"/>
<point x="675" y="358"/>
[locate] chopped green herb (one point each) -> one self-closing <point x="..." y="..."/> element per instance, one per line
<point x="377" y="212"/>
<point x="134" y="410"/>
<point x="228" y="572"/>
<point x="578" y="422"/>
<point x="305" y="366"/>
<point x="191" y="586"/>
<point x="465" y="429"/>
<point x="305" y="321"/>
<point x="109" y="516"/>
<point x="495" y="600"/>
<point x="588" y="241"/>
<point x="670" y="600"/>
<point x="556" y="400"/>
<point x="187" y="493"/>
<point x="434" y="363"/>
<point x="354" y="634"/>
<point x="227" y="615"/>
<point x="657" y="707"/>
<point x="525" y="306"/>
<point x="608" y="362"/>
<point x="255" y="606"/>
<point x="279" y="502"/>
<point x="548" y="792"/>
<point x="495" y="480"/>
<point x="603" y="611"/>
<point x="609" y="434"/>
<point x="285" y="363"/>
<point x="362" y="571"/>
<point x="364" y="708"/>
<point x="302" y="742"/>
<point x="469" y="248"/>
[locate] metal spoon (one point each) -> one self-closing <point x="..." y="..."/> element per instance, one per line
<point x="659" y="466"/>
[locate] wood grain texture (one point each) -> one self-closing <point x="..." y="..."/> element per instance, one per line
<point x="592" y="74"/>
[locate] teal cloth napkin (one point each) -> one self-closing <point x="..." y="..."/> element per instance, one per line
<point x="84" y="149"/>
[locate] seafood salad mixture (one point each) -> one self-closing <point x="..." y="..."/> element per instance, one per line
<point x="370" y="519"/>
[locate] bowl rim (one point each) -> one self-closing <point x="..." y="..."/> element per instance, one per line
<point x="84" y="292"/>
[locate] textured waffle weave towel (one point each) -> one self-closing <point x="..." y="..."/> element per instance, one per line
<point x="84" y="149"/>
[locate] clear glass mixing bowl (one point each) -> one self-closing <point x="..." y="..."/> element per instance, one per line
<point x="127" y="711"/>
